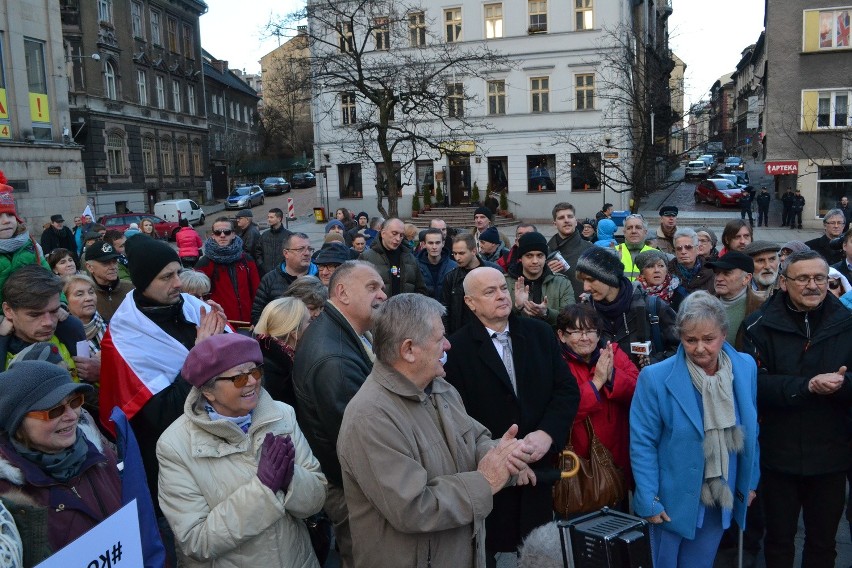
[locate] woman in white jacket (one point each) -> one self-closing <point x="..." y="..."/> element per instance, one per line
<point x="237" y="476"/>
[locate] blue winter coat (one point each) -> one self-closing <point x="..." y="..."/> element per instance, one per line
<point x="436" y="286"/>
<point x="666" y="438"/>
<point x="606" y="232"/>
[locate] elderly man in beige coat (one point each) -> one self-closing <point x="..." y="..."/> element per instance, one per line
<point x="418" y="472"/>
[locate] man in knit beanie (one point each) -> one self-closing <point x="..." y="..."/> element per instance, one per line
<point x="482" y="219"/>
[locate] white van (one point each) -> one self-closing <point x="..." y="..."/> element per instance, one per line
<point x="176" y="209"/>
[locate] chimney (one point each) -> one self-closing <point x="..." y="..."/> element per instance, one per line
<point x="222" y="66"/>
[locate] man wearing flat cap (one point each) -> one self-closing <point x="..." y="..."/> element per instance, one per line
<point x="250" y="234"/>
<point x="535" y="290"/>
<point x="732" y="282"/>
<point x="766" y="266"/>
<point x="102" y="266"/>
<point x="57" y="235"/>
<point x="664" y="239"/>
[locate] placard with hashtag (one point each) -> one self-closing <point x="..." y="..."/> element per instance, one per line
<point x="114" y="543"/>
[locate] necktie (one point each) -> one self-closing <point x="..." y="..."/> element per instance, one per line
<point x="503" y="338"/>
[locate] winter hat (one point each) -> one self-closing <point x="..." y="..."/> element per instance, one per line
<point x="484" y="211"/>
<point x="7" y="200"/>
<point x="244" y="213"/>
<point x="490" y="235"/>
<point x="41" y="351"/>
<point x="602" y="264"/>
<point x="649" y="258"/>
<point x="362" y="214"/>
<point x="794" y="246"/>
<point x="334" y="223"/>
<point x="606" y="228"/>
<point x="33" y="385"/>
<point x="757" y="247"/>
<point x="332" y="253"/>
<point x="217" y="354"/>
<point x="531" y="242"/>
<point x="101" y="251"/>
<point x="713" y="238"/>
<point x="146" y="258"/>
<point x="731" y="260"/>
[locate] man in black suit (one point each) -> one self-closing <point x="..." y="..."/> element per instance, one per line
<point x="509" y="370"/>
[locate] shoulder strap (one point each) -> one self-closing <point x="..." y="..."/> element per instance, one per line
<point x="653" y="303"/>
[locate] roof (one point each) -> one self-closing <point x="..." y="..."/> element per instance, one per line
<point x="228" y="79"/>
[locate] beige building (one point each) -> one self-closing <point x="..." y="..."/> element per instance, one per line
<point x="37" y="153"/>
<point x="678" y="140"/>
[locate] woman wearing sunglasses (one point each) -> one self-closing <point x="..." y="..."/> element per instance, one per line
<point x="236" y="473"/>
<point x="57" y="476"/>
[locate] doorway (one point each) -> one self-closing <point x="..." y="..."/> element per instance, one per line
<point x="459" y="179"/>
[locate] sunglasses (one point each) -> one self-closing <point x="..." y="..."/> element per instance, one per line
<point x="241" y="379"/>
<point x="52" y="414"/>
<point x="684" y="247"/>
<point x="220" y="232"/>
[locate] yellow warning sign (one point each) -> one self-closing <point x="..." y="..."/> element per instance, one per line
<point x="39" y="111"/>
<point x="5" y="131"/>
<point x="4" y="112"/>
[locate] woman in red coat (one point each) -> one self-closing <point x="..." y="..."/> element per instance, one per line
<point x="606" y="377"/>
<point x="189" y="244"/>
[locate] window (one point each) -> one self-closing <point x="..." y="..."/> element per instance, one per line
<point x="826" y="109"/>
<point x="493" y="20"/>
<point x="453" y="21"/>
<point x="188" y="42"/>
<point x="417" y="29"/>
<point x="833" y="183"/>
<point x="584" y="16"/>
<point x="166" y="155"/>
<point x="425" y="177"/>
<point x="585" y="91"/>
<point x="540" y="91"/>
<point x="190" y="99"/>
<point x="155" y="28"/>
<point x="105" y="10"/>
<point x="173" y="35"/>
<point x="176" y="95"/>
<point x="349" y="180"/>
<point x="381" y="32"/>
<point x="37" y="84"/>
<point x="347" y="38"/>
<point x="246" y="114"/>
<point x="541" y="173"/>
<point x="142" y="87"/>
<point x="382" y="178"/>
<point x="161" y="92"/>
<point x="496" y="97"/>
<point x="115" y="154"/>
<point x="197" y="168"/>
<point x="586" y="172"/>
<point x="347" y="108"/>
<point x="148" y="156"/>
<point x="109" y="81"/>
<point x="455" y="100"/>
<point x="183" y="158"/>
<point x="834" y="29"/>
<point x="538" y="16"/>
<point x="497" y="168"/>
<point x="136" y="19"/>
<point x="231" y="109"/>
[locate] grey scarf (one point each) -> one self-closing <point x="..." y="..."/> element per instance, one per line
<point x="61" y="466"/>
<point x="721" y="433"/>
<point x="14" y="243"/>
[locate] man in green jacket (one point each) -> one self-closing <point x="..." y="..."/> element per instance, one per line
<point x="535" y="290"/>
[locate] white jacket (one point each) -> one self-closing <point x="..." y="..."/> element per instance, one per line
<point x="220" y="512"/>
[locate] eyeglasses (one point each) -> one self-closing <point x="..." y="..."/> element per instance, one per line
<point x="302" y="250"/>
<point x="578" y="333"/>
<point x="240" y="380"/>
<point x="684" y="247"/>
<point x="804" y="280"/>
<point x="74" y="402"/>
<point x="220" y="232"/>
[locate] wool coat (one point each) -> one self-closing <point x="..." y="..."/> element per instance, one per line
<point x="547" y="400"/>
<point x="667" y="437"/>
<point x="412" y="485"/>
<point x="233" y="286"/>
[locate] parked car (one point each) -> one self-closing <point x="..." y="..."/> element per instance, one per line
<point x="696" y="169"/>
<point x="742" y="177"/>
<point x="275" y="186"/>
<point x="729" y="177"/>
<point x="719" y="192"/>
<point x="245" y="196"/>
<point x="734" y="163"/>
<point x="121" y="222"/>
<point x="176" y="209"/>
<point x="305" y="179"/>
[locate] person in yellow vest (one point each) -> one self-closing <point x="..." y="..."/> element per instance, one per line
<point x="635" y="231"/>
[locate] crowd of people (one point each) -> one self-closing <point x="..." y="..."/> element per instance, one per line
<point x="414" y="388"/>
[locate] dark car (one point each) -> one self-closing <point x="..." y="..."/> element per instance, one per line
<point x="275" y="186"/>
<point x="121" y="222"/>
<point x="719" y="192"/>
<point x="734" y="163"/>
<point x="245" y="196"/>
<point x="306" y="179"/>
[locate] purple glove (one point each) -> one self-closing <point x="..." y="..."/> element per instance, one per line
<point x="289" y="465"/>
<point x="271" y="467"/>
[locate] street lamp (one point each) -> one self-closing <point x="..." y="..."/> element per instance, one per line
<point x="93" y="57"/>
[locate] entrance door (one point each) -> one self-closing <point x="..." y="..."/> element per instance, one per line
<point x="220" y="181"/>
<point x="459" y="179"/>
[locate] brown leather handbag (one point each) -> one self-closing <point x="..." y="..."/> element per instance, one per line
<point x="598" y="482"/>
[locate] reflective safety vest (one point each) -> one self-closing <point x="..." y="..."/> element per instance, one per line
<point x="631" y="271"/>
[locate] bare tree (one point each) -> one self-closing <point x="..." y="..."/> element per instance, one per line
<point x="402" y="79"/>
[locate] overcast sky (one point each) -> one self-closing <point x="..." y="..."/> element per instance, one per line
<point x="708" y="36"/>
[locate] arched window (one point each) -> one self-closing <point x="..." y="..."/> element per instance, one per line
<point x="183" y="157"/>
<point x="109" y="81"/>
<point x="166" y="155"/>
<point x="148" y="160"/>
<point x="115" y="154"/>
<point x="196" y="159"/>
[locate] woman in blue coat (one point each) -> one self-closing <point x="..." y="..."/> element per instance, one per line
<point x="693" y="439"/>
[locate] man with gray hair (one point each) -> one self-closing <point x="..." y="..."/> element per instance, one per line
<point x="635" y="232"/>
<point x="832" y="225"/>
<point x="297" y="262"/>
<point x="687" y="266"/>
<point x="422" y="506"/>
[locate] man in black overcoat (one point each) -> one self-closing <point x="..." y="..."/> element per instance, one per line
<point x="542" y="399"/>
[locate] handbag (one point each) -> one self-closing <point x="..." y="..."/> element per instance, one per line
<point x="598" y="483"/>
<point x="320" y="529"/>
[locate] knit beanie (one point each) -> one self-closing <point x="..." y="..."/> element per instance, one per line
<point x="602" y="264"/>
<point x="217" y="354"/>
<point x="362" y="214"/>
<point x="795" y="246"/>
<point x="33" y="385"/>
<point x="334" y="223"/>
<point x="649" y="258"/>
<point x="7" y="200"/>
<point x="483" y="211"/>
<point x="147" y="257"/>
<point x="530" y="242"/>
<point x="490" y="235"/>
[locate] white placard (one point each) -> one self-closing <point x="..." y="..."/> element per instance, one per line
<point x="114" y="543"/>
<point x="83" y="349"/>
